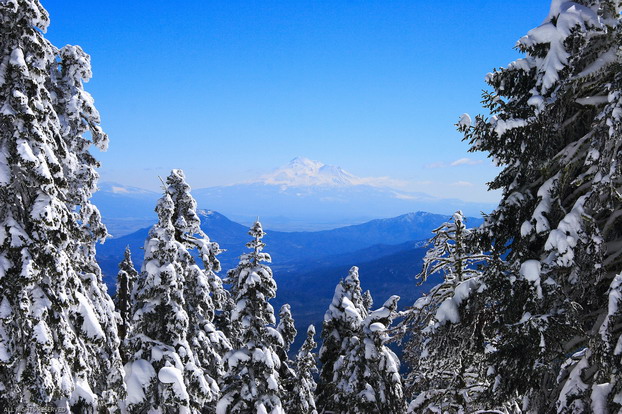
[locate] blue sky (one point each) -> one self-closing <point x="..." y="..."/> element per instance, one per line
<point x="230" y="89"/>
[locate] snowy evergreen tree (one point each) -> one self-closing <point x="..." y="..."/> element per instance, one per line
<point x="366" y="374"/>
<point x="542" y="320"/>
<point x="58" y="333"/>
<point x="302" y="398"/>
<point x="342" y="325"/>
<point x="287" y="374"/>
<point x="202" y="287"/>
<point x="441" y="378"/>
<point x="286" y="327"/>
<point x="251" y="383"/>
<point x="368" y="301"/>
<point x="123" y="298"/>
<point x="169" y="368"/>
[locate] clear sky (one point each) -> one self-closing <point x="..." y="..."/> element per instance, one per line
<point x="230" y="89"/>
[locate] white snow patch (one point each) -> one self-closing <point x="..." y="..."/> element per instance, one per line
<point x="17" y="58"/>
<point x="172" y="375"/>
<point x="5" y="308"/>
<point x="82" y="391"/>
<point x="138" y="375"/>
<point x="530" y="270"/>
<point x="465" y="121"/>
<point x="600" y="392"/>
<point x="90" y="323"/>
<point x="42" y="333"/>
<point x="448" y="311"/>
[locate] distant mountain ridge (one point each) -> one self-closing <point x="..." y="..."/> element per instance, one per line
<point x="303" y="195"/>
<point x="308" y="265"/>
<point x="290" y="249"/>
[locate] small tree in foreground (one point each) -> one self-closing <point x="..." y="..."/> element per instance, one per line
<point x="251" y="382"/>
<point x="171" y="361"/>
<point x="342" y="324"/>
<point x="302" y="397"/>
<point x="123" y="298"/>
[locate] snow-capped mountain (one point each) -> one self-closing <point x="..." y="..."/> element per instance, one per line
<point x="302" y="195"/>
<point x="304" y="172"/>
<point x="310" y="195"/>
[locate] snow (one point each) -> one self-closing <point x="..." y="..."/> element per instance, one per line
<point x="234" y="359"/>
<point x="272" y="382"/>
<point x="172" y="375"/>
<point x="350" y="311"/>
<point x="615" y="299"/>
<point x="530" y="270"/>
<point x="544" y="206"/>
<point x="574" y="384"/>
<point x="565" y="237"/>
<point x="25" y="152"/>
<point x="526" y="228"/>
<point x="138" y="375"/>
<point x="17" y="58"/>
<point x="563" y="17"/>
<point x="600" y="392"/>
<point x="42" y="333"/>
<point x="447" y="311"/>
<point x="502" y="126"/>
<point x="5" y="355"/>
<point x="593" y="100"/>
<point x="303" y="172"/>
<point x="465" y="121"/>
<point x="464" y="290"/>
<point x="82" y="391"/>
<point x="5" y="308"/>
<point x="5" y="169"/>
<point x="90" y="323"/>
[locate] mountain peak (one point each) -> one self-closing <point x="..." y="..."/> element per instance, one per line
<point x="304" y="172"/>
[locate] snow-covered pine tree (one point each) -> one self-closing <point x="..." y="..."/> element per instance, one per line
<point x="556" y="130"/>
<point x="123" y="297"/>
<point x="251" y="382"/>
<point x="58" y="333"/>
<point x="368" y="300"/>
<point x="203" y="289"/>
<point x="287" y="374"/>
<point x="366" y="374"/>
<point x="383" y="366"/>
<point x="286" y="327"/>
<point x="441" y="378"/>
<point x="164" y="373"/>
<point x="342" y="324"/>
<point x="302" y="400"/>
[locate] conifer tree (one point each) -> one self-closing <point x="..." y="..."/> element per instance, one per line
<point x="251" y="382"/>
<point x="58" y="333"/>
<point x="286" y="327"/>
<point x="287" y="374"/>
<point x="366" y="374"/>
<point x="368" y="300"/>
<point x="123" y="298"/>
<point x="174" y="346"/>
<point x="302" y="399"/>
<point x="342" y="325"/>
<point x="440" y="378"/>
<point x="203" y="289"/>
<point x="543" y="318"/>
